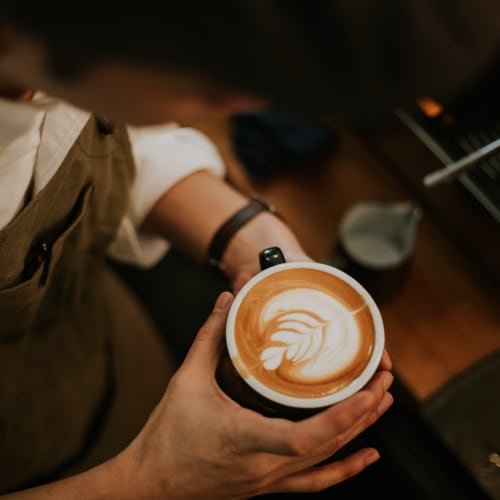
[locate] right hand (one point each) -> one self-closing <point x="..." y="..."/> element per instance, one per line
<point x="198" y="443"/>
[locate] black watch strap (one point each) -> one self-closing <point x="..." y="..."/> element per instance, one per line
<point x="232" y="225"/>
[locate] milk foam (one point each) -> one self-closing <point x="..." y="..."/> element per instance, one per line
<point x="312" y="333"/>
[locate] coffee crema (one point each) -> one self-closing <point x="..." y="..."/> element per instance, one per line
<point x="303" y="333"/>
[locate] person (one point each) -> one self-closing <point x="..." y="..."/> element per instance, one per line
<point x="196" y="441"/>
<point x="165" y="157"/>
<point x="91" y="383"/>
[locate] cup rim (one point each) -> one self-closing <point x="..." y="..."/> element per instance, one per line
<point x="322" y="401"/>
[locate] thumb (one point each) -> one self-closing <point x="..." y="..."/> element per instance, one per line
<point x="240" y="280"/>
<point x="209" y="342"/>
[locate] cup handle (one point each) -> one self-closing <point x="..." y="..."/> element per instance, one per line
<point x="270" y="257"/>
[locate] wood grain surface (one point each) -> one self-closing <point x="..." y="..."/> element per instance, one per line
<point x="447" y="317"/>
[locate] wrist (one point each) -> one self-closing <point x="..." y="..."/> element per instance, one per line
<point x="263" y="231"/>
<point x="132" y="477"/>
<point x="231" y="227"/>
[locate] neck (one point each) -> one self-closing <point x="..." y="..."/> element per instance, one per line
<point x="13" y="59"/>
<point x="14" y="92"/>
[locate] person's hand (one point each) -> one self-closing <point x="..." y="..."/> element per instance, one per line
<point x="198" y="443"/>
<point x="385" y="362"/>
<point x="241" y="258"/>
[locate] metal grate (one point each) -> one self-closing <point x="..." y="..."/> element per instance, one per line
<point x="452" y="137"/>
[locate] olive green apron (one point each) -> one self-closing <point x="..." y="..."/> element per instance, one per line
<point x="81" y="366"/>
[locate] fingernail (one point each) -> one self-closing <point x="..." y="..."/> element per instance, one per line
<point x="372" y="458"/>
<point x="223" y="301"/>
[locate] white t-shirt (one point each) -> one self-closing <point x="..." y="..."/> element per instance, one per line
<point x="36" y="136"/>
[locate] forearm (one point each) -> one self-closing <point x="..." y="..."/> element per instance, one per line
<point x="190" y="213"/>
<point x="101" y="482"/>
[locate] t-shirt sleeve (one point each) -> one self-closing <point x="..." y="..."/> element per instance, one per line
<point x="163" y="155"/>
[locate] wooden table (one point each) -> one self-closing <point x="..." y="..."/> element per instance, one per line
<point x="447" y="317"/>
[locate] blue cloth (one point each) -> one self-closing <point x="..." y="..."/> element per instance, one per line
<point x="272" y="142"/>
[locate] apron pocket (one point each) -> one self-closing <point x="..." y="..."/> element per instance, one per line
<point x="19" y="303"/>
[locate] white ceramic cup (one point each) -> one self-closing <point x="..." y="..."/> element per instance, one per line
<point x="335" y="324"/>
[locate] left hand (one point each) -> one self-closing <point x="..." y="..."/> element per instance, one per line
<point x="241" y="258"/>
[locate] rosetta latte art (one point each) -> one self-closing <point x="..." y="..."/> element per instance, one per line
<point x="310" y="336"/>
<point x="302" y="333"/>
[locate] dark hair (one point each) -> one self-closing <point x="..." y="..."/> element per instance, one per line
<point x="331" y="56"/>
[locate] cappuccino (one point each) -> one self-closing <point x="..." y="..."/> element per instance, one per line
<point x="304" y="335"/>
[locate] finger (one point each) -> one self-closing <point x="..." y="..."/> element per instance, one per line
<point x="385" y="362"/>
<point x="240" y="281"/>
<point x="208" y="344"/>
<point x="329" y="449"/>
<point x="291" y="465"/>
<point x="362" y="424"/>
<point x="256" y="433"/>
<point x="345" y="417"/>
<point x="319" y="478"/>
<point x="380" y="385"/>
<point x="297" y="256"/>
<point x="365" y="422"/>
